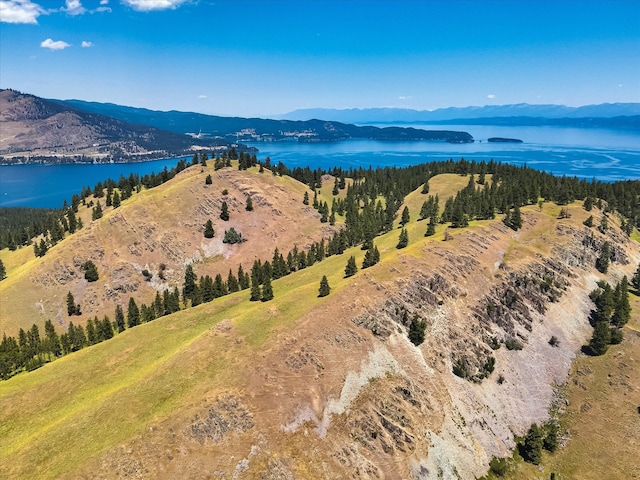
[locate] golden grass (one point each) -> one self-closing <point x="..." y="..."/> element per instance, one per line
<point x="602" y="416"/>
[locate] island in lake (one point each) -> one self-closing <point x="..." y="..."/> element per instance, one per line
<point x="503" y="140"/>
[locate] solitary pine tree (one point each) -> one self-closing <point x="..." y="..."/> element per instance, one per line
<point x="305" y="200"/>
<point x="324" y="289"/>
<point x="3" y="271"/>
<point x="224" y="212"/>
<point x="403" y="241"/>
<point x="588" y="222"/>
<point x="208" y="180"/>
<point x="208" y="229"/>
<point x="90" y="271"/>
<point x="71" y="304"/>
<point x="249" y="207"/>
<point x="351" y="268"/>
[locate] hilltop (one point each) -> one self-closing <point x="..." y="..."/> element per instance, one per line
<point x="35" y="129"/>
<point x="303" y="386"/>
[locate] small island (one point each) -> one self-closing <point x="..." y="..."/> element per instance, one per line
<point x="504" y="140"/>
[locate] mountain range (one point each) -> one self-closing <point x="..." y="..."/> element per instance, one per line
<point x="608" y="114"/>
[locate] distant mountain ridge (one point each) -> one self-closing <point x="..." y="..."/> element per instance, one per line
<point x="260" y="129"/>
<point x="626" y="113"/>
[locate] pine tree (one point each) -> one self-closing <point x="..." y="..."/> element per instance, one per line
<point x="249" y="207"/>
<point x="588" y="203"/>
<point x="267" y="290"/>
<point x="96" y="213"/>
<point x="232" y="283"/>
<point x="119" y="319"/>
<point x="208" y="229"/>
<point x="90" y="271"/>
<point x="425" y="188"/>
<point x="532" y="447"/>
<point x="71" y="305"/>
<point x="588" y="222"/>
<point x="351" y="268"/>
<point x="602" y="263"/>
<point x="224" y="212"/>
<point x="208" y="180"/>
<point x="403" y="241"/>
<point x="325" y="289"/>
<point x="516" y="219"/>
<point x="635" y="281"/>
<point x="305" y="200"/>
<point x="405" y="216"/>
<point x="133" y="313"/>
<point x="431" y="228"/>
<point x="116" y="199"/>
<point x="189" y="283"/>
<point x="601" y="338"/>
<point x="622" y="309"/>
<point x="52" y="339"/>
<point x="255" y="289"/>
<point x="416" y="330"/>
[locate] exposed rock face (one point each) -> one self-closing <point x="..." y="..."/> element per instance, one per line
<point x="346" y="395"/>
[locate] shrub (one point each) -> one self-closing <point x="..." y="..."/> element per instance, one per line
<point x="513" y="344"/>
<point x="231" y="236"/>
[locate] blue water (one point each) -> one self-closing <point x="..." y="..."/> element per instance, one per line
<point x="586" y="153"/>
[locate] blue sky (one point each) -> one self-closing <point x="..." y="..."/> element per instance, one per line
<point x="261" y="58"/>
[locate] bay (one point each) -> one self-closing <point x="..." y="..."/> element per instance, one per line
<point x="608" y="155"/>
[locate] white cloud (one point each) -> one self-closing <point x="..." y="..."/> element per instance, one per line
<point x="202" y="96"/>
<point x="20" y="11"/>
<point x="104" y="2"/>
<point x="74" y="7"/>
<point x="491" y="96"/>
<point x="149" y="5"/>
<point x="57" y="45"/>
<point x="86" y="44"/>
<point x="404" y="97"/>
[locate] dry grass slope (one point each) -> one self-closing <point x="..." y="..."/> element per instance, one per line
<point x="308" y="387"/>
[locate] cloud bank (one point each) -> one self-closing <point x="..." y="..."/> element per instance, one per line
<point x="20" y="11"/>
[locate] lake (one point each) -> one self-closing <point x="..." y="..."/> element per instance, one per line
<point x="608" y="155"/>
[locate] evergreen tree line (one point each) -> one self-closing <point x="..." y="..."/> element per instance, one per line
<point x="512" y="186"/>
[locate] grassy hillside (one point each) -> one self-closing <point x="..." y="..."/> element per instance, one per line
<point x="301" y="386"/>
<point x="160" y="226"/>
